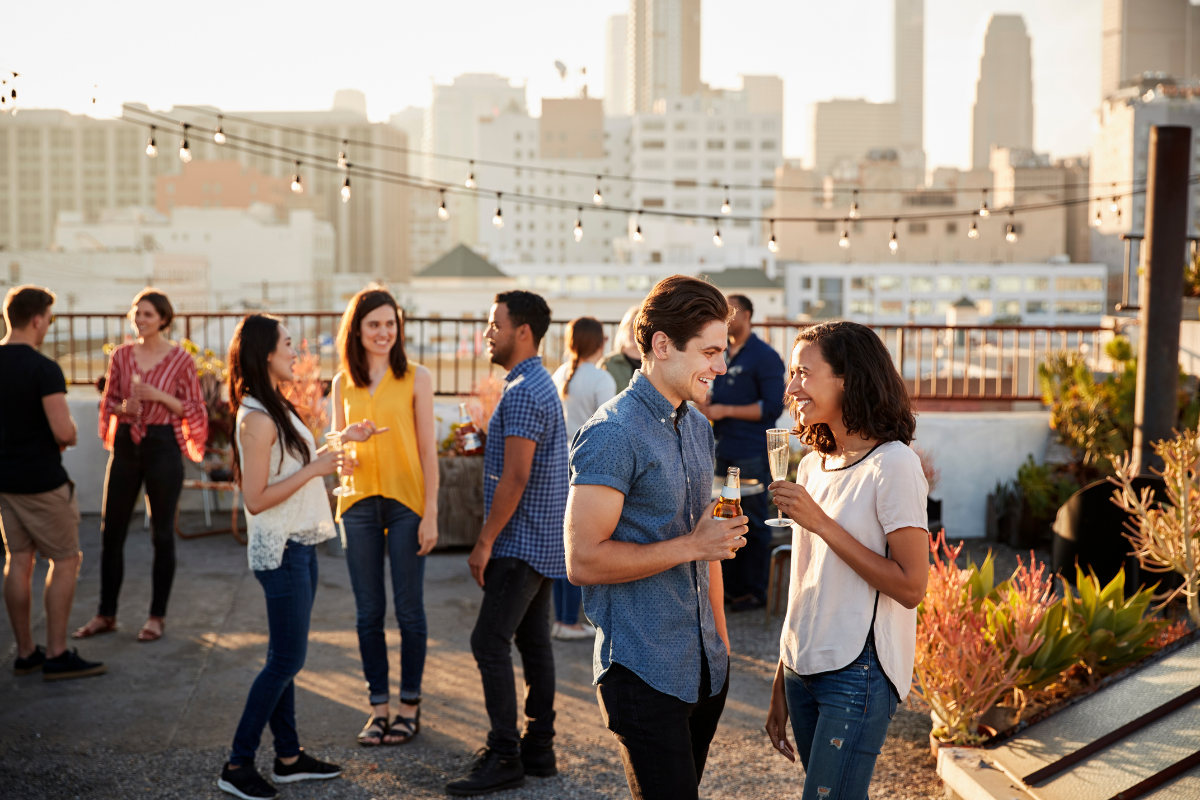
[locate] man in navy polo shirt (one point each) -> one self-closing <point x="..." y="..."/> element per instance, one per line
<point x="746" y="401"/>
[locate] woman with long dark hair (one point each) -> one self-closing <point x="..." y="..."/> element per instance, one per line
<point x="583" y="387"/>
<point x="392" y="515"/>
<point x="860" y="559"/>
<point x="152" y="412"/>
<point x="280" y="472"/>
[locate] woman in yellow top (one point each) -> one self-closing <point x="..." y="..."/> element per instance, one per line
<point x="394" y="507"/>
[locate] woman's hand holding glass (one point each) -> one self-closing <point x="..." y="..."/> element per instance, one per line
<point x="795" y="501"/>
<point x="779" y="451"/>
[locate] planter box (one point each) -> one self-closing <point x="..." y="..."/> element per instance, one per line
<point x="460" y="500"/>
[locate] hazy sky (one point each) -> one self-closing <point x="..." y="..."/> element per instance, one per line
<point x="255" y="55"/>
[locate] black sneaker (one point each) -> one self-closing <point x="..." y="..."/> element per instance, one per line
<point x="246" y="783"/>
<point x="491" y="772"/>
<point x="537" y="757"/>
<point x="304" y="768"/>
<point x="70" y="665"/>
<point x="33" y="663"/>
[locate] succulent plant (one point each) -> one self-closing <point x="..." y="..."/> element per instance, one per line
<point x="1118" y="632"/>
<point x="1064" y="638"/>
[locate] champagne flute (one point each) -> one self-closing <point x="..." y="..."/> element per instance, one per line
<point x="349" y="453"/>
<point x="778" y="452"/>
<point x="334" y="440"/>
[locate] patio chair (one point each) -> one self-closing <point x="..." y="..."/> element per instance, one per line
<point x="217" y="478"/>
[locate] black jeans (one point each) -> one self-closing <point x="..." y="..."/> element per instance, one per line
<point x="156" y="461"/>
<point x="747" y="573"/>
<point x="516" y="607"/>
<point x="664" y="741"/>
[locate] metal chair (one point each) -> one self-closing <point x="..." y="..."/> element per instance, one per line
<point x="205" y="485"/>
<point x="780" y="556"/>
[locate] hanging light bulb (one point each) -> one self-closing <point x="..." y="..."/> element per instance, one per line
<point x="151" y="147"/>
<point x="726" y="208"/>
<point x="1097" y="220"/>
<point x="637" y="230"/>
<point x="773" y="245"/>
<point x="983" y="208"/>
<point x="470" y="182"/>
<point x="844" y="241"/>
<point x="218" y="134"/>
<point x="717" y="235"/>
<point x="185" y="154"/>
<point x="598" y="198"/>
<point x="854" y="212"/>
<point x="1010" y="231"/>
<point x="973" y="233"/>
<point x="498" y="217"/>
<point x="346" y="191"/>
<point x="342" y="163"/>
<point x="1115" y="205"/>
<point x="579" y="225"/>
<point x="297" y="187"/>
<point x="893" y="242"/>
<point x="443" y="214"/>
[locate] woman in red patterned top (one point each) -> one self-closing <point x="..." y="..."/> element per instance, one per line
<point x="151" y="413"/>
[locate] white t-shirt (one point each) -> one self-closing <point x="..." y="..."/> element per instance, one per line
<point x="591" y="387"/>
<point x="829" y="605"/>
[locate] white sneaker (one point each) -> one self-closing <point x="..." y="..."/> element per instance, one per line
<point x="569" y="634"/>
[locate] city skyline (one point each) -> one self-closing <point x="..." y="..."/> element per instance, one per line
<point x="1065" y="34"/>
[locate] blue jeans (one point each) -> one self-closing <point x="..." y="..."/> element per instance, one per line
<point x="747" y="573"/>
<point x="567" y="599"/>
<point x="373" y="527"/>
<point x="840" y="720"/>
<point x="289" y="590"/>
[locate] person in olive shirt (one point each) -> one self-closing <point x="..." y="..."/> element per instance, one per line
<point x="38" y="508"/>
<point x="625" y="358"/>
<point x="746" y="401"/>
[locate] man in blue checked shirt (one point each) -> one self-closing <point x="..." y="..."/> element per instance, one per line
<point x="520" y="549"/>
<point x="642" y="542"/>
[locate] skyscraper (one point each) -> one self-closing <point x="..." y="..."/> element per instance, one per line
<point x="616" y="65"/>
<point x="663" y="51"/>
<point x="910" y="76"/>
<point x="1148" y="36"/>
<point x="1003" y="114"/>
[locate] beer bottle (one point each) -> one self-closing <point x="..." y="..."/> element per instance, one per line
<point x="730" y="504"/>
<point x="472" y="445"/>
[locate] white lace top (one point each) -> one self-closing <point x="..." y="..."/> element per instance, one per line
<point x="304" y="517"/>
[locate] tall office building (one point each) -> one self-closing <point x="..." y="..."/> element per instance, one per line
<point x="663" y="51"/>
<point x="616" y="65"/>
<point x="844" y="131"/>
<point x="1148" y="36"/>
<point x="1003" y="115"/>
<point x="909" y="32"/>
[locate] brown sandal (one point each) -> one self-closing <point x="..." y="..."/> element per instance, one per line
<point x="107" y="625"/>
<point x="148" y="634"/>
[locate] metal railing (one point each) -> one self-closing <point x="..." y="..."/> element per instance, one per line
<point x="987" y="362"/>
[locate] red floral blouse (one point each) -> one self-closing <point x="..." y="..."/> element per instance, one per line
<point x="175" y="375"/>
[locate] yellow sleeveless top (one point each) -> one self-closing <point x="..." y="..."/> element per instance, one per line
<point x="389" y="463"/>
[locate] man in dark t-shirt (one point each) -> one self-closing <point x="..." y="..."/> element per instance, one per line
<point x="38" y="509"/>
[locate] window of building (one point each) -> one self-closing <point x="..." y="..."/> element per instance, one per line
<point x="829" y="293"/>
<point x="949" y="283"/>
<point x="579" y="283"/>
<point x="743" y="164"/>
<point x="862" y="283"/>
<point x="1008" y="283"/>
<point x="768" y="125"/>
<point x="653" y="202"/>
<point x="714" y="144"/>
<point x="767" y="144"/>
<point x="921" y="308"/>
<point x="891" y="307"/>
<point x="655" y="258"/>
<point x="826" y="226"/>
<point x="921" y="284"/>
<point x="682" y="125"/>
<point x="517" y="136"/>
<point x="768" y="163"/>
<point x="918" y="227"/>
<point x="1078" y="307"/>
<point x="654" y="125"/>
<point x="806" y="282"/>
<point x="1008" y="308"/>
<point x="686" y="163"/>
<point x="743" y="125"/>
<point x="741" y="144"/>
<point x="681" y="183"/>
<point x="951" y="228"/>
<point x="891" y="283"/>
<point x="1079" y="284"/>
<point x="654" y="144"/>
<point x="861" y="306"/>
<point x="609" y="283"/>
<point x="545" y="283"/>
<point x="686" y="144"/>
<point x="716" y="163"/>
<point x="1036" y="307"/>
<point x="640" y="283"/>
<point x="653" y="163"/>
<point x="1037" y="284"/>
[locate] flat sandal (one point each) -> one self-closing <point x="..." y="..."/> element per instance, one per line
<point x="376" y="728"/>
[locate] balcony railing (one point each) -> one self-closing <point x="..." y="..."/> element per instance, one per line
<point x="989" y="362"/>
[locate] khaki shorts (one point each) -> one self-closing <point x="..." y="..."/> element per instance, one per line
<point x="48" y="521"/>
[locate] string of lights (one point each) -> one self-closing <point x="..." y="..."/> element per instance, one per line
<point x="326" y="164"/>
<point x="472" y="162"/>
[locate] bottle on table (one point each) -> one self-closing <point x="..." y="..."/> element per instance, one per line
<point x="472" y="444"/>
<point x="730" y="504"/>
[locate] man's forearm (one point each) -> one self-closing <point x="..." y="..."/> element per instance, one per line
<point x="504" y="504"/>
<point x="716" y="597"/>
<point x="622" y="562"/>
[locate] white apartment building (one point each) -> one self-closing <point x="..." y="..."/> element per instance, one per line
<point x="251" y="260"/>
<point x="895" y="294"/>
<point x="616" y="65"/>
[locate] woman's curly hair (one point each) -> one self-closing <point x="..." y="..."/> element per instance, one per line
<point x="875" y="403"/>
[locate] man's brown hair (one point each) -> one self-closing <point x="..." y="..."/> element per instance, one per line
<point x="680" y="307"/>
<point x="23" y="303"/>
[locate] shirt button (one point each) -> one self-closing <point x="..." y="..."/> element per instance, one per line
<point x="662" y="420"/>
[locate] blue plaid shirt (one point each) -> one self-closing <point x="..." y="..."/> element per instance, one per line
<point x="657" y="626"/>
<point x="530" y="408"/>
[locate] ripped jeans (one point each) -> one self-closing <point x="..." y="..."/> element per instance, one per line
<point x="840" y="720"/>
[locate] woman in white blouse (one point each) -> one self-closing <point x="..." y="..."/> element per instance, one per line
<point x="860" y="559"/>
<point x="287" y="512"/>
<point x="583" y="387"/>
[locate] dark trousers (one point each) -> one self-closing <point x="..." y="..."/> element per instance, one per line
<point x="156" y="462"/>
<point x="516" y="608"/>
<point x="747" y="573"/>
<point x="664" y="741"/>
<point x="289" y="590"/>
<point x="374" y="527"/>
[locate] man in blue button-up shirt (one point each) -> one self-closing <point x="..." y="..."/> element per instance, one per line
<point x="746" y="401"/>
<point x="520" y="549"/>
<point x="641" y="540"/>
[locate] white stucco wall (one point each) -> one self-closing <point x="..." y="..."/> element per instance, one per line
<point x="974" y="451"/>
